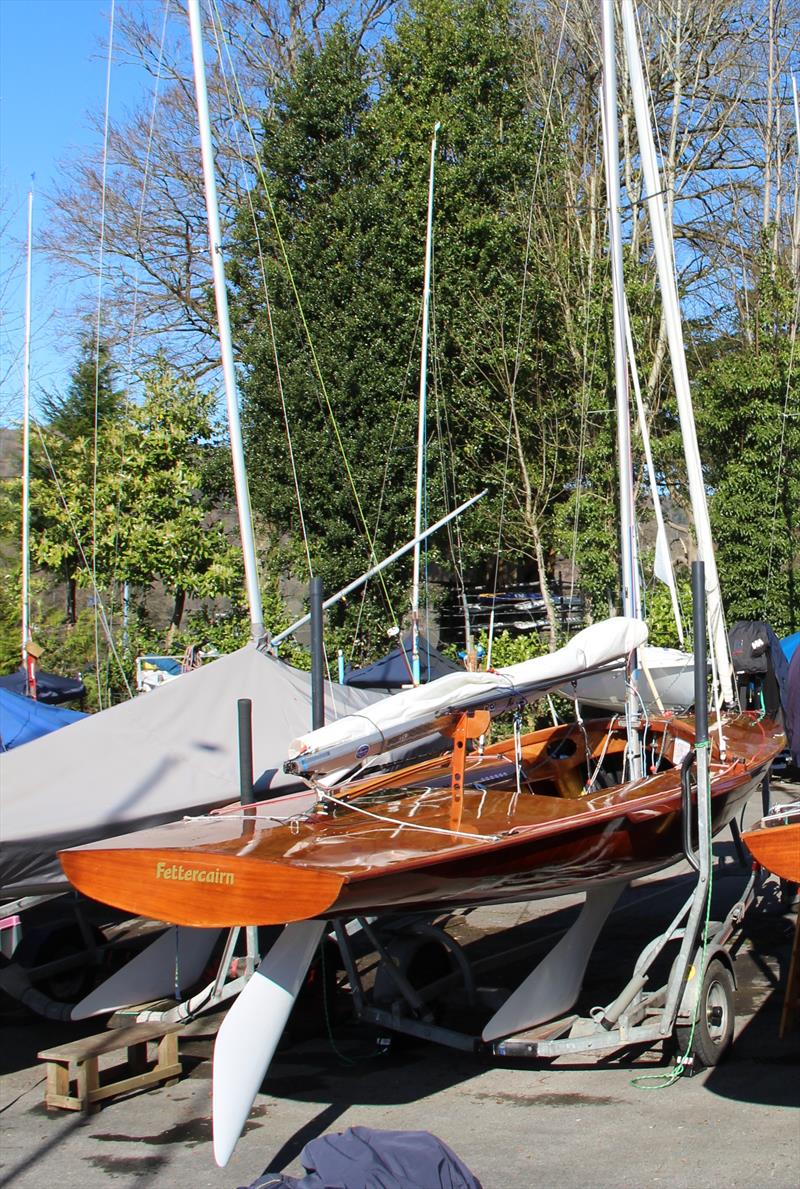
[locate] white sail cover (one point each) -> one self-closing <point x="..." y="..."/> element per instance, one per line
<point x="414" y="712"/>
<point x="169" y="752"/>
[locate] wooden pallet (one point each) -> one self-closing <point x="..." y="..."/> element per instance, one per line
<point x="84" y="1091"/>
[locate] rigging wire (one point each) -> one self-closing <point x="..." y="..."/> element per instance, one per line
<point x="128" y="375"/>
<point x="216" y="25"/>
<point x="546" y="122"/>
<point x="257" y="159"/>
<point x="784" y="421"/>
<point x="101" y="249"/>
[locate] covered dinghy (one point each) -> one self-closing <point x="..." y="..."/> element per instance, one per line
<point x="23" y="720"/>
<point x="157" y="757"/>
<point x="51" y="689"/>
<point x="393" y="671"/>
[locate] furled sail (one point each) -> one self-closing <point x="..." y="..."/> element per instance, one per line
<point x="435" y="707"/>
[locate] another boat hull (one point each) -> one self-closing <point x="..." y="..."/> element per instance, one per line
<point x="777" y="848"/>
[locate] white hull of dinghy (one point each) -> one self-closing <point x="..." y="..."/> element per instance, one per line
<point x="671" y="672"/>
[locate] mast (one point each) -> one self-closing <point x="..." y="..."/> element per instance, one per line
<point x="421" y="421"/>
<point x="229" y="371"/>
<point x="631" y="595"/>
<point x="672" y="315"/>
<point x="26" y="447"/>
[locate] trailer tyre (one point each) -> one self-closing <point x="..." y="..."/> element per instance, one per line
<point x="715" y="1018"/>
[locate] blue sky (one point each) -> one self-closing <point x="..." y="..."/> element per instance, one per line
<point x="53" y="56"/>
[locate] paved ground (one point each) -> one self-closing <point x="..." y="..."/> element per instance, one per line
<point x="516" y="1127"/>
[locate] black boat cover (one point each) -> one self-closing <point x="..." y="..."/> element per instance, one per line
<point x="393" y="671"/>
<point x="757" y="656"/>
<point x="50" y="689"/>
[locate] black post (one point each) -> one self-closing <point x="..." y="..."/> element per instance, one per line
<point x="246" y="792"/>
<point x="700" y="653"/>
<point x="317" y="657"/>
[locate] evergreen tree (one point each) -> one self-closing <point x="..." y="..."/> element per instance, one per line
<point x="91" y="395"/>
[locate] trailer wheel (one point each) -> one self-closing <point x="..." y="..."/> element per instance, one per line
<point x="716" y="1016"/>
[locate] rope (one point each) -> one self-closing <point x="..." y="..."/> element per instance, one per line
<point x="263" y="272"/>
<point x="391" y="821"/>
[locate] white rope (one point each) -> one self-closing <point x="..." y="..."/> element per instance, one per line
<point x="391" y="821"/>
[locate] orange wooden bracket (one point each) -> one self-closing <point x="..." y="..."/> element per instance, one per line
<point x="470" y="725"/>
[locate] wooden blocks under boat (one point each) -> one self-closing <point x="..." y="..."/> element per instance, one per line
<point x="193" y="887"/>
<point x="84" y="1056"/>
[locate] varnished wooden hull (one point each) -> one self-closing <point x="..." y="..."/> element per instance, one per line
<point x="777" y="848"/>
<point x="393" y="847"/>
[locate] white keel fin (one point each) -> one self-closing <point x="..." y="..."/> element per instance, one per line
<point x="175" y="960"/>
<point x="252" y="1028"/>
<point x="552" y="987"/>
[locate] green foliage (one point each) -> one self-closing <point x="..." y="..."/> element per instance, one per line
<point x="752" y="451"/>
<point x="660" y="618"/>
<point x="510" y="650"/>
<point x="138" y="507"/>
<point x="347" y="159"/>
<point x="10" y="628"/>
<point x="90" y="396"/>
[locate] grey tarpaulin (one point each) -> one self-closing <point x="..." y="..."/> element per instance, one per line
<point x="361" y="1158"/>
<point x="168" y="752"/>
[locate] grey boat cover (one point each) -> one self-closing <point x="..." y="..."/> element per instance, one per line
<point x="363" y="1158"/>
<point x="166" y="753"/>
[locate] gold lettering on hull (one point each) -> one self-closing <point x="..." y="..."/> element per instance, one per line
<point x="182" y="874"/>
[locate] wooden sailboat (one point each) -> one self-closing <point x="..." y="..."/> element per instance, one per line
<point x="551" y="818"/>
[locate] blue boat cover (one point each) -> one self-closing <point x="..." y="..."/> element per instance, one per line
<point x="22" y="719"/>
<point x="362" y="1158"/>
<point x="790" y="644"/>
<point x="50" y="689"/>
<point x="393" y="671"/>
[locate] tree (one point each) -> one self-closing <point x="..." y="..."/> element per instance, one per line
<point x="90" y="401"/>
<point x="136" y="511"/>
<point x="154" y="230"/>
<point x="748" y="418"/>
<point x="347" y="173"/>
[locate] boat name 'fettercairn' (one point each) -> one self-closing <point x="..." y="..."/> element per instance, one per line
<point x="193" y="874"/>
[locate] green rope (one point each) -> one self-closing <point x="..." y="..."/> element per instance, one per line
<point x="345" y="1060"/>
<point x="661" y="1081"/>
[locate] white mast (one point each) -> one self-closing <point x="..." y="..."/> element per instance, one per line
<point x="26" y="446"/>
<point x="228" y="368"/>
<point x="669" y="296"/>
<point x="631" y="595"/>
<point x="421" y="422"/>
